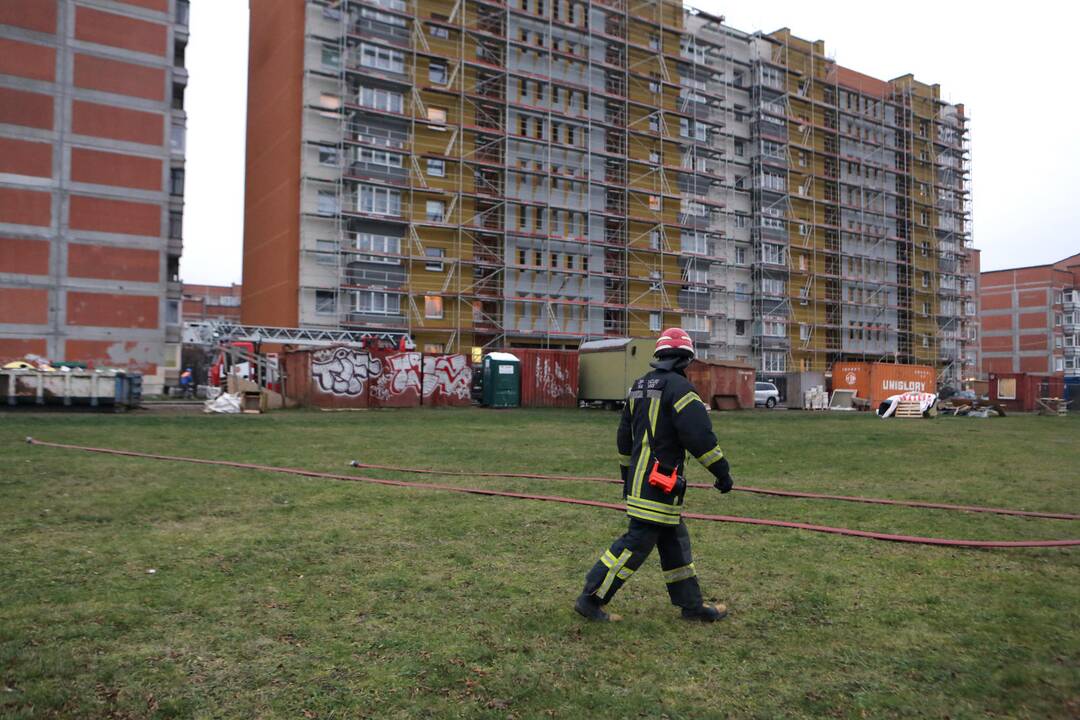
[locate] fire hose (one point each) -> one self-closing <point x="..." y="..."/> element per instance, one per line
<point x="947" y="542"/>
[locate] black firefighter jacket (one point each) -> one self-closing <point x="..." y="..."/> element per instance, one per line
<point x="679" y="422"/>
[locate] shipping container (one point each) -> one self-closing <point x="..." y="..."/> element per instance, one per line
<point x="878" y="382"/>
<point x="111" y="389"/>
<point x="398" y="382"/>
<point x="549" y="378"/>
<point x="1019" y="391"/>
<point x="607" y="368"/>
<point x="447" y="380"/>
<point x="723" y="385"/>
<point x="502" y="380"/>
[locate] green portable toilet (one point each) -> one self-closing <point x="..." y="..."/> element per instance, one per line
<point x="502" y="380"/>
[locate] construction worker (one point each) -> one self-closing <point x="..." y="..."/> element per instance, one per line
<point x="662" y="419"/>
<point x="186" y="383"/>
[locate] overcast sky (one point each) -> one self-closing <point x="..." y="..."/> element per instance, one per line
<point x="1007" y="65"/>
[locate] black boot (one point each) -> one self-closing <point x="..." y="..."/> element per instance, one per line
<point x="706" y="613"/>
<point x="589" y="607"/>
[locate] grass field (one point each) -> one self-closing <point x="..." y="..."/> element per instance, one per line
<point x="279" y="596"/>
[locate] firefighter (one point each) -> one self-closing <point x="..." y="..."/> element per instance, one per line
<point x="663" y="419"/>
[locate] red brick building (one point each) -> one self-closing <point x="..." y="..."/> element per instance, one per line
<point x="91" y="181"/>
<point x="1031" y="319"/>
<point x="211" y="302"/>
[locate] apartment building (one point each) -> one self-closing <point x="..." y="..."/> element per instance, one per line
<point x="211" y="302"/>
<point x="1031" y="319"/>
<point x="91" y="181"/>
<point x="477" y="174"/>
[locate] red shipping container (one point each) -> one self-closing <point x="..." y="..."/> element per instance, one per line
<point x="333" y="377"/>
<point x="549" y="378"/>
<point x="880" y="381"/>
<point x="397" y="382"/>
<point x="723" y="385"/>
<point x="1018" y="391"/>
<point x="447" y="380"/>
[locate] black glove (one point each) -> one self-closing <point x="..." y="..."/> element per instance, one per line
<point x="722" y="472"/>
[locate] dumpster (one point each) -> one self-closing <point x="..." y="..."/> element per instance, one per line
<point x="722" y="384"/>
<point x="607" y="368"/>
<point x="502" y="380"/>
<point x="113" y="389"/>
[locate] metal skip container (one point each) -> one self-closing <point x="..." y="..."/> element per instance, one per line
<point x="112" y="389"/>
<point x="502" y="380"/>
<point x="549" y="378"/>
<point x="723" y="385"/>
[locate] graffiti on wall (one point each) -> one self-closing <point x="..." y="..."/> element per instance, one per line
<point x="343" y="371"/>
<point x="448" y="376"/>
<point x="553" y="380"/>
<point x="400" y="374"/>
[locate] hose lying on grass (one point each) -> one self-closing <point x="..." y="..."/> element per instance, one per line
<point x="576" y="501"/>
<point x="749" y="489"/>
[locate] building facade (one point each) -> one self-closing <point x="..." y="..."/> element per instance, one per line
<point x="91" y="181"/>
<point x="211" y="302"/>
<point x="1031" y="319"/>
<point x="538" y="173"/>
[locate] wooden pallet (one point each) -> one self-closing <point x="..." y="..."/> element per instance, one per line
<point x="909" y="410"/>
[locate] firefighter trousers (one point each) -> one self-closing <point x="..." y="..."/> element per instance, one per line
<point x="629" y="552"/>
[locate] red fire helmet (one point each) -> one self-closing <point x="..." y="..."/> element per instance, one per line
<point x="674" y="339"/>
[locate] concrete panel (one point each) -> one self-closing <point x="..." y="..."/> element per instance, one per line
<point x="25" y="207"/>
<point x="109" y="310"/>
<point x="24" y="257"/>
<point x="18" y="107"/>
<point x="20" y="157"/>
<point x="117" y="123"/>
<point x="95" y="73"/>
<point x="27" y="60"/>
<point x="133" y="355"/>
<point x="24" y="306"/>
<point x="17" y="348"/>
<point x="106" y="168"/>
<point x="114" y="216"/>
<point x="36" y="15"/>
<point x="113" y="263"/>
<point x="107" y="28"/>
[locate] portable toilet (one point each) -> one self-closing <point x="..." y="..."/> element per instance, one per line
<point x="502" y="380"/>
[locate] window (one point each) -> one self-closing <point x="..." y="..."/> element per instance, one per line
<point x="436" y="211"/>
<point x="773" y="181"/>
<point x="740" y="255"/>
<point x="328" y="156"/>
<point x="1059" y="364"/>
<point x="183" y="12"/>
<point x="382" y="17"/>
<point x="695" y="243"/>
<point x="437" y="115"/>
<point x="693" y="207"/>
<point x="772" y="328"/>
<point x="773" y="362"/>
<point x="433" y="307"/>
<point x="698" y="277"/>
<point x="1006" y="389"/>
<point x="773" y="254"/>
<point x="654" y="322"/>
<point x="926" y="279"/>
<point x="331" y="56"/>
<point x="327" y="203"/>
<point x="325" y="302"/>
<point x="437" y="31"/>
<point x="740" y="148"/>
<point x="654" y="202"/>
<point x="804" y="332"/>
<point x="381" y="58"/>
<point x="326" y="252"/>
<point x="772" y="286"/>
<point x="385" y="244"/>
<point x="176" y="181"/>
<point x="177" y="138"/>
<point x="380" y="99"/>
<point x="379" y="201"/>
<point x="740" y="328"/>
<point x="740" y="222"/>
<point x="436" y="168"/>
<point x="1059" y="319"/>
<point x="371" y="302"/>
<point x="695" y="323"/>
<point x="435" y="255"/>
<point x="437" y="72"/>
<point x="379" y="157"/>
